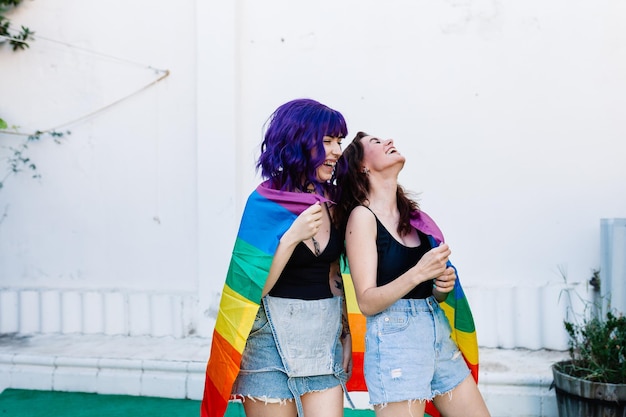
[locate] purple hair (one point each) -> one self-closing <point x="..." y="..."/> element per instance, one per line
<point x="293" y="146"/>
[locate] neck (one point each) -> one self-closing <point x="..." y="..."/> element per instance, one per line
<point x="382" y="194"/>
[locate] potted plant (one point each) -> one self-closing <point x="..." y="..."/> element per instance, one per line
<point x="592" y="383"/>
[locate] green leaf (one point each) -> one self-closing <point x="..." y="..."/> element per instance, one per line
<point x="3" y="124"/>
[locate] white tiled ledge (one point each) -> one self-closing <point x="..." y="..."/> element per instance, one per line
<point x="518" y="366"/>
<point x="144" y="365"/>
<point x="514" y="382"/>
<point x="97" y="311"/>
<point x="148" y="366"/>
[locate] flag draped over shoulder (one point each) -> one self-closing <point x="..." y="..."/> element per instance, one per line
<point x="456" y="308"/>
<point x="267" y="216"/>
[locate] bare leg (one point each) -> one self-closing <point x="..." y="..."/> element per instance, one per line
<point x="413" y="408"/>
<point x="260" y="408"/>
<point x="463" y="401"/>
<point x="327" y="403"/>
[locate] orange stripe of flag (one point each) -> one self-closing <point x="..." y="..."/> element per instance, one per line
<point x="223" y="365"/>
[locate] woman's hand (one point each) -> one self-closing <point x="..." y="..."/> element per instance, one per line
<point x="445" y="282"/>
<point x="306" y="225"/>
<point x="434" y="263"/>
<point x="346" y="342"/>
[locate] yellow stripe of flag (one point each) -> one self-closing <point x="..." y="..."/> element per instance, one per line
<point x="235" y="318"/>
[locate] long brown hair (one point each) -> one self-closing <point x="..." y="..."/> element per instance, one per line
<point x="355" y="186"/>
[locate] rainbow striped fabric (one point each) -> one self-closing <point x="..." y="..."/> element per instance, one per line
<point x="456" y="308"/>
<point x="251" y="259"/>
<point x="256" y="242"/>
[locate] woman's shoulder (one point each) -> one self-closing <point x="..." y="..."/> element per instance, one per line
<point x="362" y="215"/>
<point x="362" y="209"/>
<point x="361" y="223"/>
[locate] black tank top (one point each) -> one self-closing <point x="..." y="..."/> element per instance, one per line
<point x="394" y="259"/>
<point x="306" y="276"/>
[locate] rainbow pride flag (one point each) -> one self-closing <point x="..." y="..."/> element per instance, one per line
<point x="250" y="263"/>
<point x="456" y="308"/>
<point x="251" y="259"/>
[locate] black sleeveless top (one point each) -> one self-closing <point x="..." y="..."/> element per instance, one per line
<point x="306" y="276"/>
<point x="394" y="259"/>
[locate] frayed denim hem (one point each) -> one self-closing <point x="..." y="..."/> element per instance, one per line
<point x="409" y="402"/>
<point x="264" y="399"/>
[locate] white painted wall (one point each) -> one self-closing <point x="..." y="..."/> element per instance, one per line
<point x="510" y="114"/>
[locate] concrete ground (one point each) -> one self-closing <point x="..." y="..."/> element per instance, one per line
<point x="514" y="382"/>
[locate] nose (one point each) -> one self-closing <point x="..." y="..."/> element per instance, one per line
<point x="336" y="149"/>
<point x="389" y="142"/>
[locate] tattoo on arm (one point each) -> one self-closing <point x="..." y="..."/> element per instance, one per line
<point x="336" y="280"/>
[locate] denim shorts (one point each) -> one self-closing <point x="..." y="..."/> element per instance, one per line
<point x="409" y="354"/>
<point x="263" y="375"/>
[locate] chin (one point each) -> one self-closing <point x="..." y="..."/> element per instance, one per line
<point x="323" y="179"/>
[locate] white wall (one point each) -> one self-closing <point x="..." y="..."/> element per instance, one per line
<point x="510" y="115"/>
<point x="116" y="205"/>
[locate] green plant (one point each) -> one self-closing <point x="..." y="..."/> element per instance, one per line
<point x="19" y="39"/>
<point x="19" y="161"/>
<point x="597" y="347"/>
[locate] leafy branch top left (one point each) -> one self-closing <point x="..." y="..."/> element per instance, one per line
<point x="18" y="39"/>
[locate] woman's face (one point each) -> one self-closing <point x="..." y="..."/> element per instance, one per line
<point x="332" y="147"/>
<point x="379" y="154"/>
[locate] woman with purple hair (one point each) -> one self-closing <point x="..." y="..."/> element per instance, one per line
<point x="283" y="293"/>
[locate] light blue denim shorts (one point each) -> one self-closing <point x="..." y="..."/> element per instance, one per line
<point x="263" y="375"/>
<point x="409" y="354"/>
